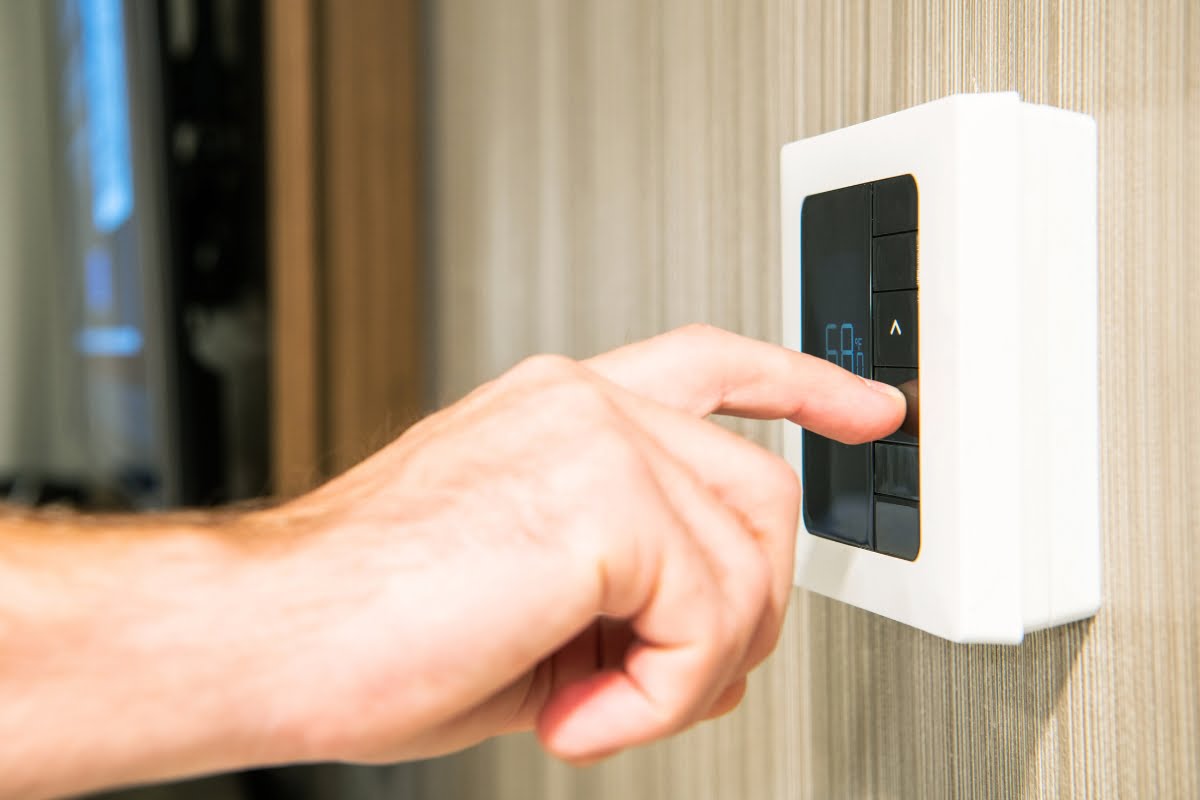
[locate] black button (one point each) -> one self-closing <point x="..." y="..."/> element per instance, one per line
<point x="897" y="470"/>
<point x="905" y="379"/>
<point x="897" y="528"/>
<point x="895" y="205"/>
<point x="894" y="262"/>
<point x="895" y="316"/>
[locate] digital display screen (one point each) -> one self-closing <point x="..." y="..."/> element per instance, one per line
<point x="835" y="247"/>
<point x="844" y="347"/>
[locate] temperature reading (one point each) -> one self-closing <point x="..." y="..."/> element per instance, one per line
<point x="845" y="349"/>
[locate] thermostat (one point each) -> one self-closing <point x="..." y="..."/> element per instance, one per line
<point x="950" y="250"/>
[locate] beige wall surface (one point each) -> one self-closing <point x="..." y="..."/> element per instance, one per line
<point x="345" y="219"/>
<point x="607" y="169"/>
<point x="40" y="421"/>
<point x="25" y="228"/>
<point x="14" y="24"/>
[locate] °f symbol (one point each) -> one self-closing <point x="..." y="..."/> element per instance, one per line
<point x="896" y="328"/>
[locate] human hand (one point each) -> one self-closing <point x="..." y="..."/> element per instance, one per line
<point x="571" y="548"/>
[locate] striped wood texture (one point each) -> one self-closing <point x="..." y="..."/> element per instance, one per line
<point x="607" y="169"/>
<point x="345" y="215"/>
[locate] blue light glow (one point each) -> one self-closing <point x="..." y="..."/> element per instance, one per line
<point x="98" y="281"/>
<point x="844" y="348"/>
<point x="112" y="341"/>
<point x="103" y="35"/>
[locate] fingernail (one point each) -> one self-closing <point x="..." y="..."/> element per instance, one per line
<point x="885" y="388"/>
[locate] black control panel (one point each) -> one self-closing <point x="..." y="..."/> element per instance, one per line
<point x="858" y="278"/>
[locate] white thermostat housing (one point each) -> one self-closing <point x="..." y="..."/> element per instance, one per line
<point x="973" y="220"/>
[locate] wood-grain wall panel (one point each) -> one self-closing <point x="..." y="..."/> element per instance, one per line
<point x="607" y="170"/>
<point x="296" y="418"/>
<point x="371" y="247"/>
<point x="348" y="290"/>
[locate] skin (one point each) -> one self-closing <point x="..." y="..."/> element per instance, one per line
<point x="572" y="548"/>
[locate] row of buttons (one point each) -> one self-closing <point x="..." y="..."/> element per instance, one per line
<point x="896" y="462"/>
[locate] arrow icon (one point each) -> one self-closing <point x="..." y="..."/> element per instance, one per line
<point x="896" y="328"/>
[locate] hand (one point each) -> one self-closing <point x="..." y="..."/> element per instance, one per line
<point x="572" y="547"/>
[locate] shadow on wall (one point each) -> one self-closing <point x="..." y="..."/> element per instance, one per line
<point x="894" y="707"/>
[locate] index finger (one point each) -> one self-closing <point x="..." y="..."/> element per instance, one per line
<point x="704" y="370"/>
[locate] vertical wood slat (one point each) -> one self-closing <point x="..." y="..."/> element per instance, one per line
<point x="371" y="203"/>
<point x="345" y="196"/>
<point x="662" y="180"/>
<point x="296" y="437"/>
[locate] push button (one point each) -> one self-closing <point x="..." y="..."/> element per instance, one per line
<point x="897" y="470"/>
<point x="896" y="329"/>
<point x="904" y="379"/>
<point x="894" y="262"/>
<point x="895" y="208"/>
<point x="897" y="528"/>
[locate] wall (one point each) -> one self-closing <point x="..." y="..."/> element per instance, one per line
<point x="347" y="310"/>
<point x="39" y="425"/>
<point x="16" y="23"/>
<point x="607" y="169"/>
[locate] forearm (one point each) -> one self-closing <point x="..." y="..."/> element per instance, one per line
<point x="129" y="650"/>
<point x="136" y="649"/>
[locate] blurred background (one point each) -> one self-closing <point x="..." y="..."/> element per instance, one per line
<point x="143" y="364"/>
<point x="243" y="243"/>
<point x="135" y="300"/>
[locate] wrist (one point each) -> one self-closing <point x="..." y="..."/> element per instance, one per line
<point x="141" y="652"/>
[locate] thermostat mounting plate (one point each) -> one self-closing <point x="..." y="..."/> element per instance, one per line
<point x="1007" y="362"/>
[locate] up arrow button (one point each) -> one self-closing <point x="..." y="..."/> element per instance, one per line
<point x="895" y="328"/>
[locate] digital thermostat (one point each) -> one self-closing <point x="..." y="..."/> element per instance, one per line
<point x="950" y="250"/>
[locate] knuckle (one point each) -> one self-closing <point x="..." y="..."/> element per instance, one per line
<point x="765" y="636"/>
<point x="733" y="697"/>
<point x="763" y="646"/>
<point x="785" y="483"/>
<point x="673" y="717"/>
<point x="752" y="599"/>
<point x="758" y="580"/>
<point x="562" y="390"/>
<point x="698" y="332"/>
<point x="544" y="367"/>
<point x="728" y="639"/>
<point x="755" y="599"/>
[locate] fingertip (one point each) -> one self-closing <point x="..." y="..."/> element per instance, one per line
<point x="894" y="410"/>
<point x="854" y="411"/>
<point x="572" y="723"/>
<point x="601" y="715"/>
<point x="886" y="389"/>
